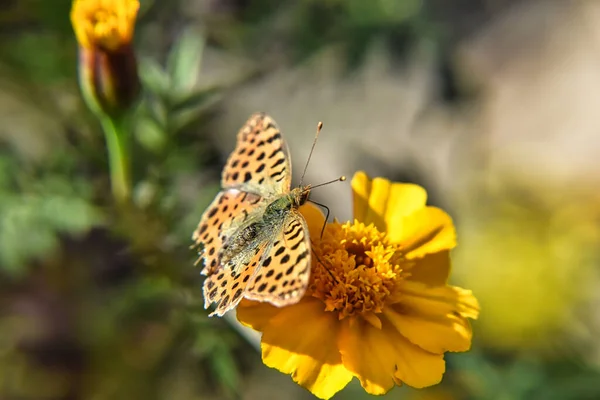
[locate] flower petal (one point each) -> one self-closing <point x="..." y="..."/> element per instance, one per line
<point x="434" y="318"/>
<point x="381" y="358"/>
<point x="382" y="202"/>
<point x="310" y="354"/>
<point x="417" y="367"/>
<point x="426" y="231"/>
<point x="254" y="314"/>
<point x="368" y="354"/>
<point x="314" y="219"/>
<point x="433" y="269"/>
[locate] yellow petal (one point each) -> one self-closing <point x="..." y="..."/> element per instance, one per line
<point x="368" y="354"/>
<point x="384" y="203"/>
<point x="381" y="358"/>
<point x="301" y="340"/>
<point x="254" y="314"/>
<point x="426" y="231"/>
<point x="361" y="187"/>
<point x="415" y="366"/>
<point x="314" y="219"/>
<point x="433" y="269"/>
<point x="434" y="318"/>
<point x="372" y="318"/>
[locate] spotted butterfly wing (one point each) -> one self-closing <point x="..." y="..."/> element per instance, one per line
<point x="260" y="162"/>
<point x="225" y="206"/>
<point x="249" y="247"/>
<point x="284" y="275"/>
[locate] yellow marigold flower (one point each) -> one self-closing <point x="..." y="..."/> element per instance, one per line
<point x="107" y="24"/>
<point x="107" y="65"/>
<point x="378" y="306"/>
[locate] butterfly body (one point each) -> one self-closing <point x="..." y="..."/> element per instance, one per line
<point x="285" y="203"/>
<point x="254" y="240"/>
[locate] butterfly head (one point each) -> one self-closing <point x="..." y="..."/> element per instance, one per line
<point x="299" y="195"/>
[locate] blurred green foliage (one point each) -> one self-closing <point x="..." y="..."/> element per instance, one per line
<point x="304" y="27"/>
<point x="38" y="204"/>
<point x="92" y="292"/>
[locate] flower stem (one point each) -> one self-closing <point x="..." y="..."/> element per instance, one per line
<point x="118" y="157"/>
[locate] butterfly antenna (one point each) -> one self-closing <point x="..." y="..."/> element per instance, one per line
<point x="326" y="216"/>
<point x="319" y="127"/>
<point x="340" y="179"/>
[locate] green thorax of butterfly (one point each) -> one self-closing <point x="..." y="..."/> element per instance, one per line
<point x="254" y="241"/>
<point x="243" y="240"/>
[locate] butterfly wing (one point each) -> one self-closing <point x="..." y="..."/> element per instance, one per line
<point x="226" y="287"/>
<point x="285" y="268"/>
<point x="260" y="162"/>
<point x="226" y="209"/>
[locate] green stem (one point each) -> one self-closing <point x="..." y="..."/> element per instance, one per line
<point x="118" y="157"/>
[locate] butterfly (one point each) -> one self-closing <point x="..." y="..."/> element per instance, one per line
<point x="255" y="243"/>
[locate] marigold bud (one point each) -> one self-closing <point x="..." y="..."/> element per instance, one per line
<point x="107" y="65"/>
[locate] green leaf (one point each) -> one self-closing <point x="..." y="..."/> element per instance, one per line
<point x="193" y="100"/>
<point x="150" y="135"/>
<point x="225" y="369"/>
<point x="154" y="78"/>
<point x="184" y="61"/>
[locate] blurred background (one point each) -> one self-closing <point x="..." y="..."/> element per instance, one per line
<point x="491" y="105"/>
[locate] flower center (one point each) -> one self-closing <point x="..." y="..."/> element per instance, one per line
<point x="356" y="269"/>
<point x="107" y="24"/>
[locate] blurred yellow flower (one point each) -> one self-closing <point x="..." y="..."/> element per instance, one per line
<point x="108" y="74"/>
<point x="532" y="248"/>
<point x="107" y="24"/>
<point x="378" y="306"/>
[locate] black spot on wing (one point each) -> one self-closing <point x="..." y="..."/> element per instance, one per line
<point x="237" y="294"/>
<point x="301" y="257"/>
<point x="295" y="231"/>
<point x="277" y="173"/>
<point x="278" y="162"/>
<point x="275" y="137"/>
<point x="224" y="301"/>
